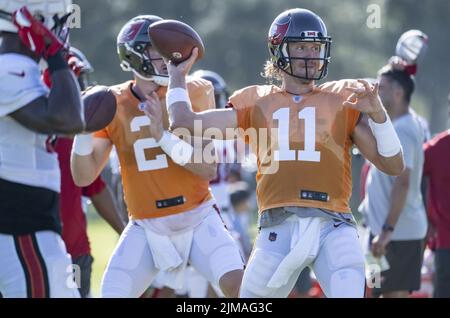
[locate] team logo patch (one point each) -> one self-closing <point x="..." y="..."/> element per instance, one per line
<point x="278" y="31"/>
<point x="313" y="34"/>
<point x="130" y="33"/>
<point x="297" y="99"/>
<point x="272" y="236"/>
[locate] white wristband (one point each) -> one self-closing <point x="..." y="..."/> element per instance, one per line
<point x="388" y="143"/>
<point x="177" y="149"/>
<point x="83" y="145"/>
<point x="176" y="95"/>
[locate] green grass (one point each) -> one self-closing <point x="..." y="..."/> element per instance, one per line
<point x="103" y="240"/>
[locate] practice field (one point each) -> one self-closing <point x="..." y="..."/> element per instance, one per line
<point x="103" y="240"/>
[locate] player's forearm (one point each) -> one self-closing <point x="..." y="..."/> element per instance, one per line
<point x="89" y="156"/>
<point x="190" y="155"/>
<point x="177" y="80"/>
<point x="203" y="161"/>
<point x="179" y="105"/>
<point x="84" y="169"/>
<point x="181" y="116"/>
<point x="65" y="108"/>
<point x="399" y="194"/>
<point x="391" y="165"/>
<point x="83" y="163"/>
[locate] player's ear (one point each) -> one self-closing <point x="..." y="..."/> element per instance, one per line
<point x="398" y="92"/>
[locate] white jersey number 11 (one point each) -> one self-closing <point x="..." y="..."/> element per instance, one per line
<point x="308" y="114"/>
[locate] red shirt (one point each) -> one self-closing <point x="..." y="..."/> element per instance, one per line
<point x="437" y="168"/>
<point x="74" y="232"/>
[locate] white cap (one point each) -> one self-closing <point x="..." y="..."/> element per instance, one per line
<point x="411" y="46"/>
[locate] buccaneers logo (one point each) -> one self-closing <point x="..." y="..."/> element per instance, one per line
<point x="278" y="31"/>
<point x="272" y="236"/>
<point x="130" y="33"/>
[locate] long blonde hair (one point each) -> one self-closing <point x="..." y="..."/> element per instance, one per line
<point x="271" y="73"/>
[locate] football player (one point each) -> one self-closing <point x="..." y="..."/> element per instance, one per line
<point x="304" y="179"/>
<point x="173" y="218"/>
<point x="33" y="257"/>
<point x="197" y="286"/>
<point x="73" y="216"/>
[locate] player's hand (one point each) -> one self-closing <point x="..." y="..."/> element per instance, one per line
<point x="35" y="35"/>
<point x="365" y="98"/>
<point x="431" y="237"/>
<point x="379" y="243"/>
<point x="183" y="68"/>
<point x="75" y="64"/>
<point x="397" y="63"/>
<point x="153" y="109"/>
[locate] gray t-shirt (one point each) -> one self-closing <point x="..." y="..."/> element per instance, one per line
<point x="412" y="224"/>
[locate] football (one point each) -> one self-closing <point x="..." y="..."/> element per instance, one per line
<point x="99" y="107"/>
<point x="175" y="40"/>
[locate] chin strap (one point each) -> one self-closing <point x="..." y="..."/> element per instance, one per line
<point x="161" y="80"/>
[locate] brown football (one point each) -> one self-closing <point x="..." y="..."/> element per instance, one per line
<point x="175" y="40"/>
<point x="99" y="107"/>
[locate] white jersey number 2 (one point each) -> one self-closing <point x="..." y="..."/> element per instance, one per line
<point x="308" y="114"/>
<point x="141" y="144"/>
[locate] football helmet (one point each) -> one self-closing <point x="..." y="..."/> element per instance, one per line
<point x="220" y="87"/>
<point x="53" y="14"/>
<point x="132" y="44"/>
<point x="299" y="25"/>
<point x="81" y="66"/>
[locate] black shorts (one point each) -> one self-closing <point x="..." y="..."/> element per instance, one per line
<point x="441" y="278"/>
<point x="25" y="209"/>
<point x="405" y="263"/>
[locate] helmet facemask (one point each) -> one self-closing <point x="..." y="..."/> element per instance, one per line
<point x="285" y="60"/>
<point x="141" y="64"/>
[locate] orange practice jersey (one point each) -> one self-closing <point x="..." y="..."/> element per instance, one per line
<point x="150" y="177"/>
<point x="308" y="161"/>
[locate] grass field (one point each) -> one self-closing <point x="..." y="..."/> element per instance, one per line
<point x="103" y="240"/>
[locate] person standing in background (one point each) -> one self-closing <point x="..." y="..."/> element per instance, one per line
<point x="393" y="207"/>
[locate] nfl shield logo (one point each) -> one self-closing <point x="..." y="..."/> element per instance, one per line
<point x="272" y="236"/>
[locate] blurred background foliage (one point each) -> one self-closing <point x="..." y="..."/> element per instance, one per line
<point x="234" y="33"/>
